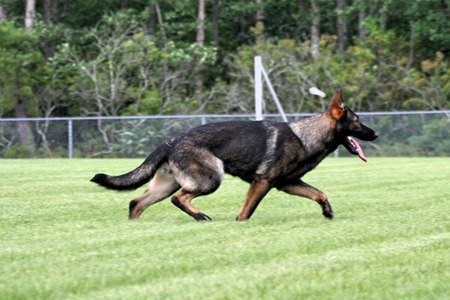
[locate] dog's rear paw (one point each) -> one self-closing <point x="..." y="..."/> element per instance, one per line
<point x="201" y="217"/>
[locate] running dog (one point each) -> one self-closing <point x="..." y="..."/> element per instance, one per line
<point x="263" y="153"/>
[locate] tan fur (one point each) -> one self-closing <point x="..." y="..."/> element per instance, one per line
<point x="337" y="106"/>
<point x="162" y="185"/>
<point x="258" y="189"/>
<point x="189" y="177"/>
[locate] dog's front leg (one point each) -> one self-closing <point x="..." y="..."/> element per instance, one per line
<point x="302" y="189"/>
<point x="258" y="189"/>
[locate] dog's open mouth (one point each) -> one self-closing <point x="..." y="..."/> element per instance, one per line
<point x="353" y="147"/>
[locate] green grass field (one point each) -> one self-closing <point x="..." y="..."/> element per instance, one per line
<point x="63" y="237"/>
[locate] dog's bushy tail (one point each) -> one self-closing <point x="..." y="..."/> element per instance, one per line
<point x="139" y="176"/>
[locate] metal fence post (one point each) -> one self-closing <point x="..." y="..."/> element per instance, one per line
<point x="70" y="137"/>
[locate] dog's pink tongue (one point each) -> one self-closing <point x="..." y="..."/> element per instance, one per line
<point x="360" y="151"/>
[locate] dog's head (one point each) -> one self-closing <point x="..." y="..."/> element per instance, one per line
<point x="348" y="126"/>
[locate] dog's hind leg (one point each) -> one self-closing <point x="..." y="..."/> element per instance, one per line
<point x="199" y="173"/>
<point x="162" y="185"/>
<point x="183" y="199"/>
<point x="302" y="189"/>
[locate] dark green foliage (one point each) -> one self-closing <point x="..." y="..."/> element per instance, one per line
<point x="435" y="140"/>
<point x="121" y="58"/>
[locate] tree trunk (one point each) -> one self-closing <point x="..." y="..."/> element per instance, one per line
<point x="301" y="20"/>
<point x="411" y="45"/>
<point x="301" y="8"/>
<point x="50" y="11"/>
<point x="301" y="5"/>
<point x="200" y="41"/>
<point x="152" y="18"/>
<point x="315" y="28"/>
<point x="24" y="132"/>
<point x="216" y="22"/>
<point x="362" y="30"/>
<point x="30" y="13"/>
<point x="383" y="19"/>
<point x="165" y="85"/>
<point x="341" y="24"/>
<point x="23" y="128"/>
<point x="201" y="23"/>
<point x="260" y="20"/>
<point x="259" y="11"/>
<point x="3" y="16"/>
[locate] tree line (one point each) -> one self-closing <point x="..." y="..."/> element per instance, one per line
<point x="133" y="57"/>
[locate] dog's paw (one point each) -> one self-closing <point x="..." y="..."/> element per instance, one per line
<point x="328" y="215"/>
<point x="327" y="211"/>
<point x="201" y="217"/>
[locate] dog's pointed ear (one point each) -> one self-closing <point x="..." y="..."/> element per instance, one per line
<point x="337" y="107"/>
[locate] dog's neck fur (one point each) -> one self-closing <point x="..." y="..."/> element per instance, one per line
<point x="315" y="128"/>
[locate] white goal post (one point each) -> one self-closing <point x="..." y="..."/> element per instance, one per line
<point x="259" y="73"/>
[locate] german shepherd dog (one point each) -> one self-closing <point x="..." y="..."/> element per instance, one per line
<point x="265" y="154"/>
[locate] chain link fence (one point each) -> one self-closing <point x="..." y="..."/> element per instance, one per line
<point x="420" y="133"/>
